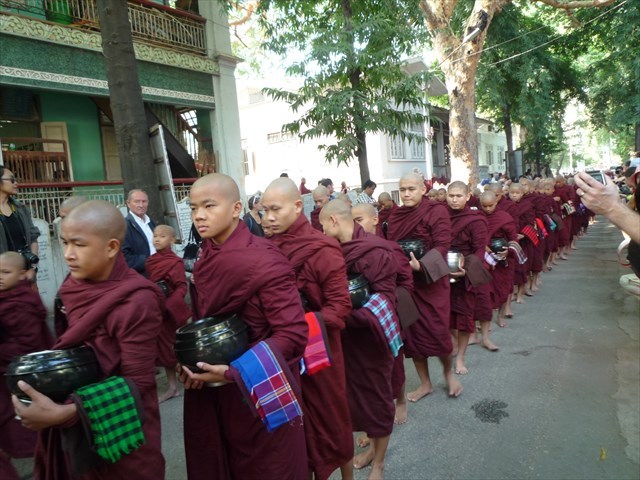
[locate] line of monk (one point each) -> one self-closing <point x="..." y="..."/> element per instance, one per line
<point x="319" y="367"/>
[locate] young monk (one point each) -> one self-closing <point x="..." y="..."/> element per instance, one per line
<point x="563" y="195"/>
<point x="526" y="218"/>
<point x="537" y="204"/>
<point x="320" y="199"/>
<point x="442" y="195"/>
<point x="469" y="237"/>
<point x="386" y="206"/>
<point x="321" y="276"/>
<point x="166" y="269"/>
<point x="371" y="339"/>
<point x="366" y="216"/>
<point x="420" y="218"/>
<point x="243" y="274"/>
<point x="117" y="313"/>
<point x="23" y="329"/>
<point x="500" y="225"/>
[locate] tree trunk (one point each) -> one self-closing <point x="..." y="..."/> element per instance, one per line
<point x="637" y="137"/>
<point x="129" y="120"/>
<point x="538" y="148"/>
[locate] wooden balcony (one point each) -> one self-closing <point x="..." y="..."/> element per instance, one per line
<point x="150" y="22"/>
<point x="34" y="160"/>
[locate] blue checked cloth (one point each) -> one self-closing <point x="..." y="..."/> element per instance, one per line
<point x="379" y="306"/>
<point x="270" y="391"/>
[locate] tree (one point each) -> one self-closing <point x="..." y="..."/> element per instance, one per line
<point x="459" y="55"/>
<point x="129" y="119"/>
<point x="351" y="61"/>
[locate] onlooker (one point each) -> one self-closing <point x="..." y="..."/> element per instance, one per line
<point x="328" y="183"/>
<point x="17" y="231"/>
<point x="303" y="187"/>
<point x="138" y="243"/>
<point x="367" y="193"/>
<point x="253" y="219"/>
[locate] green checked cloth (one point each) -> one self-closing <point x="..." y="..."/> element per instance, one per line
<point x="115" y="424"/>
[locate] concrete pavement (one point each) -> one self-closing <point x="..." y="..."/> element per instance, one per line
<point x="560" y="400"/>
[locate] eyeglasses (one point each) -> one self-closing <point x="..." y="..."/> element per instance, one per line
<point x="10" y="179"/>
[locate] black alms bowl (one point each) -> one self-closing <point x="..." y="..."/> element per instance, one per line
<point x="55" y="373"/>
<point x="415" y="246"/>
<point x="358" y="290"/>
<point x="498" y="244"/>
<point x="213" y="340"/>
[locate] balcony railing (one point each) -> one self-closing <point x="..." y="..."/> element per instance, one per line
<point x="150" y="22"/>
<point x="37" y="159"/>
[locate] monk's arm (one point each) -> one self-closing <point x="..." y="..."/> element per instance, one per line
<point x="281" y="307"/>
<point x="135" y="325"/>
<point x="329" y="268"/>
<point x="20" y="326"/>
<point x="440" y="230"/>
<point x="479" y="239"/>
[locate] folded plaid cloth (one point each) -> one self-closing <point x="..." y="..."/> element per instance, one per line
<point x="379" y="306"/>
<point x="550" y="222"/>
<point x="530" y="232"/>
<point x="112" y="413"/>
<point x="316" y="356"/>
<point x="515" y="246"/>
<point x="271" y="393"/>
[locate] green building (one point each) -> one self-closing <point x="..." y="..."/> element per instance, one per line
<point x="56" y="125"/>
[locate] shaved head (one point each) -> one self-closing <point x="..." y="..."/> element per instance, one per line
<point x="320" y="191"/>
<point x="412" y="177"/>
<point x="515" y="186"/>
<point x="14" y="260"/>
<point x="286" y="187"/>
<point x="99" y="218"/>
<point x="488" y="197"/>
<point x="69" y="204"/>
<point x="458" y="185"/>
<point x="384" y="197"/>
<point x="336" y="208"/>
<point x="224" y="184"/>
<point x="343" y="197"/>
<point x="364" y="209"/>
<point x="282" y="205"/>
<point x="366" y="215"/>
<point x="165" y="229"/>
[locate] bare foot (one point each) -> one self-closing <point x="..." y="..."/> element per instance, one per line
<point x="363" y="441"/>
<point x="401" y="413"/>
<point x="473" y="339"/>
<point x="501" y="323"/>
<point x="377" y="471"/>
<point x="534" y="288"/>
<point x="363" y="459"/>
<point x="168" y="395"/>
<point x="461" y="369"/>
<point x="418" y="393"/>
<point x="455" y="387"/>
<point x="520" y="301"/>
<point x="489" y="345"/>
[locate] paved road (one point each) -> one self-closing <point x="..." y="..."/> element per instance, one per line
<point x="560" y="400"/>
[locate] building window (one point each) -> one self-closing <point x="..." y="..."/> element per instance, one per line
<point x="397" y="147"/>
<point x="245" y="161"/>
<point x="490" y="156"/>
<point x="417" y="146"/>
<point x="279" y="137"/>
<point x="500" y="159"/>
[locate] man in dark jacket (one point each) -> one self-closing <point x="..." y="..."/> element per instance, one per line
<point x="138" y="243"/>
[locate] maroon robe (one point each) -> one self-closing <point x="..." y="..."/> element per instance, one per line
<point x="507" y="205"/>
<point x="537" y="251"/>
<point x="501" y="225"/>
<point x="249" y="276"/>
<point x="429" y="222"/>
<point x="368" y="358"/>
<point x="578" y="217"/>
<point x="321" y="276"/>
<point x="469" y="237"/>
<point x="383" y="216"/>
<point x="564" y="236"/>
<point x="526" y="216"/>
<point x="315" y="219"/>
<point x="119" y="320"/>
<point x="23" y="329"/>
<point x="166" y="266"/>
<point x="551" y="244"/>
<point x="474" y="202"/>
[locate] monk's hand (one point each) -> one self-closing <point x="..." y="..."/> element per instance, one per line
<point x="211" y="374"/>
<point x="460" y="273"/>
<point x="42" y="412"/>
<point x="520" y="236"/>
<point x="502" y="255"/>
<point x="31" y="275"/>
<point x="413" y="261"/>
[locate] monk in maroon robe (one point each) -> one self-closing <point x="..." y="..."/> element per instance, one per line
<point x="551" y="210"/>
<point x="422" y="219"/>
<point x="526" y="218"/>
<point x="240" y="273"/>
<point x="537" y="252"/>
<point x="368" y="356"/>
<point x="387" y="206"/>
<point x="468" y="237"/>
<point x="366" y="216"/>
<point x="321" y="276"/>
<point x="23" y="329"/>
<point x="500" y="225"/>
<point x="166" y="269"/>
<point x="117" y="313"/>
<point x="562" y="195"/>
<point x="320" y="199"/>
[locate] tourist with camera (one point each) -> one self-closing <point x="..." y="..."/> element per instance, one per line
<point x="17" y="231"/>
